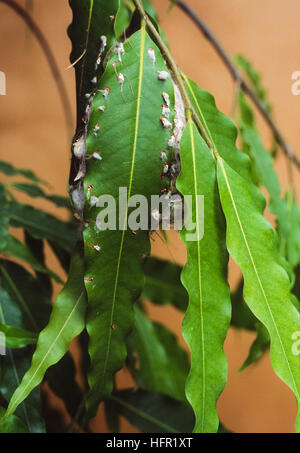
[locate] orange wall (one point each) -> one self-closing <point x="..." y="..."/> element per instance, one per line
<point x="33" y="135"/>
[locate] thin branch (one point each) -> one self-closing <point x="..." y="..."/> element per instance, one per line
<point x="50" y="59"/>
<point x="238" y="78"/>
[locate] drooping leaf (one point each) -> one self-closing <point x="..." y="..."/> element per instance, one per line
<point x="255" y="79"/>
<point x="42" y="225"/>
<point x="285" y="208"/>
<point x="35" y="191"/>
<point x="163" y="284"/>
<point x="220" y="130"/>
<point x="123" y="18"/>
<point x="13" y="425"/>
<point x="130" y="140"/>
<point x="253" y="244"/>
<point x="153" y="412"/>
<point x="16" y="338"/>
<point x="163" y="365"/>
<point x="16" y="249"/>
<point x="9" y="170"/>
<point x="66" y="322"/>
<point x="208" y="316"/>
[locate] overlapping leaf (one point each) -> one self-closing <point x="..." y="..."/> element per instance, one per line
<point x="42" y="225"/>
<point x="163" y="284"/>
<point x="208" y="316"/>
<point x="162" y="364"/>
<point x="129" y="141"/>
<point x="153" y="412"/>
<point x="66" y="322"/>
<point x="253" y="244"/>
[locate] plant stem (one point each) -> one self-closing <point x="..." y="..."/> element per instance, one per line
<point x="288" y="151"/>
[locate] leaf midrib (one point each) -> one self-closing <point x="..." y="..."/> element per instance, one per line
<point x="139" y="96"/>
<point x="199" y="277"/>
<point x="144" y="415"/>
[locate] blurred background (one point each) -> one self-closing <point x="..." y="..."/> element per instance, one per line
<point x="33" y="135"/>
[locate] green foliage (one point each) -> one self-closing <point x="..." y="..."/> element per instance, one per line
<point x="153" y="412"/>
<point x="127" y="138"/>
<point x="66" y="322"/>
<point x="130" y="139"/>
<point x="162" y="365"/>
<point x="208" y="315"/>
<point x="252" y="242"/>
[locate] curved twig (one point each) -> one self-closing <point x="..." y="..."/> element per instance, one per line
<point x="50" y="59"/>
<point x="235" y="74"/>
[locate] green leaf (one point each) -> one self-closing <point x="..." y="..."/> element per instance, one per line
<point x="13" y="366"/>
<point x="220" y="129"/>
<point x="255" y="79"/>
<point x="207" y="319"/>
<point x="16" y="249"/>
<point x="17" y="338"/>
<point x="91" y="20"/>
<point x="163" y="364"/>
<point x="12" y="425"/>
<point x="42" y="225"/>
<point x="122" y="19"/>
<point x="253" y="244"/>
<point x="4" y="219"/>
<point x="9" y="170"/>
<point x="285" y="209"/>
<point x="153" y="412"/>
<point x="35" y="191"/>
<point x="163" y="284"/>
<point x="66" y="322"/>
<point x="27" y="296"/>
<point x="131" y="138"/>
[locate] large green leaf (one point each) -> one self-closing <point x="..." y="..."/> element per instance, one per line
<point x="130" y="141"/>
<point x="163" y="365"/>
<point x="253" y="244"/>
<point x="208" y="316"/>
<point x="42" y="225"/>
<point x="153" y="412"/>
<point x="66" y="322"/>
